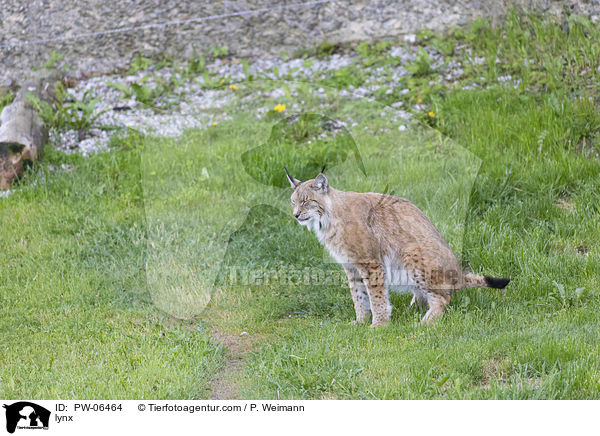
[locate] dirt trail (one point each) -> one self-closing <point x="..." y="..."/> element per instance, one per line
<point x="225" y="384"/>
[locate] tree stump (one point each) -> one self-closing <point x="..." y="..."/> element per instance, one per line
<point x="22" y="132"/>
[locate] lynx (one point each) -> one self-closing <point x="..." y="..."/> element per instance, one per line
<point x="384" y="243"/>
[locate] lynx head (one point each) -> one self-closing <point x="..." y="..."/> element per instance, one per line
<point x="310" y="201"/>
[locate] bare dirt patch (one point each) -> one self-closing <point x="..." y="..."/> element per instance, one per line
<point x="492" y="369"/>
<point x="565" y="203"/>
<point x="225" y="383"/>
<point x="498" y="371"/>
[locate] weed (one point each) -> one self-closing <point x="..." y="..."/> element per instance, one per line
<point x="325" y="49"/>
<point x="373" y="54"/>
<point x="566" y="299"/>
<point x="246" y="67"/>
<point x="421" y="67"/>
<point x="213" y="81"/>
<point x="147" y="94"/>
<point x="446" y="46"/>
<point x="425" y="36"/>
<point x="6" y="99"/>
<point x="53" y="60"/>
<point x="345" y="77"/>
<point x="219" y="51"/>
<point x="194" y="66"/>
<point x="66" y="112"/>
<point x="366" y="50"/>
<point x="126" y="90"/>
<point x="140" y="63"/>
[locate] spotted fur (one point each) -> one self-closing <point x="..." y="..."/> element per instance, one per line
<point x="385" y="243"/>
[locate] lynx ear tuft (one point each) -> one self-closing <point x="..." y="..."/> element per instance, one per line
<point x="293" y="182"/>
<point x="321" y="183"/>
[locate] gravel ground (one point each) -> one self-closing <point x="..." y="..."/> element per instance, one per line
<point x="33" y="29"/>
<point x="193" y="106"/>
<point x="198" y="107"/>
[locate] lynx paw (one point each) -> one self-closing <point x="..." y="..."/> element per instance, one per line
<point x="358" y="322"/>
<point x="379" y="324"/>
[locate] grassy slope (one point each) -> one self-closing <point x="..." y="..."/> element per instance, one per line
<point x="534" y="216"/>
<point x="78" y="318"/>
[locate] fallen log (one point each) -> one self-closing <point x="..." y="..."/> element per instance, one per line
<point x="22" y="132"/>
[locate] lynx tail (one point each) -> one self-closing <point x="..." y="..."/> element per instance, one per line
<point x="475" y="281"/>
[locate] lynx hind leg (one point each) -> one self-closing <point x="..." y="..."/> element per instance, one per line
<point x="420" y="299"/>
<point x="360" y="297"/>
<point x="437" y="304"/>
<point x="414" y="262"/>
<point x="373" y="278"/>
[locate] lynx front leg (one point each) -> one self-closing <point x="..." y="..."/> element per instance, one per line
<point x="372" y="275"/>
<point x="359" y="294"/>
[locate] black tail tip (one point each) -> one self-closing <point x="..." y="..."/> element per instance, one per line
<point x="495" y="282"/>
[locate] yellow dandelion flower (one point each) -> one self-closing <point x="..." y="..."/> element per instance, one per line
<point x="234" y="87"/>
<point x="419" y="100"/>
<point x="279" y="108"/>
<point x="431" y="114"/>
<point x="215" y="123"/>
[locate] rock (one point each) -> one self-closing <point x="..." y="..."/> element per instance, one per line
<point x="410" y="38"/>
<point x="6" y="85"/>
<point x="22" y="133"/>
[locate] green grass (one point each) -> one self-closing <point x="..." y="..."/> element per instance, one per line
<point x="6" y="99"/>
<point x="76" y="318"/>
<point x="115" y="272"/>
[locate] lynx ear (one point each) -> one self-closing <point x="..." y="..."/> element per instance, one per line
<point x="293" y="182"/>
<point x="321" y="183"/>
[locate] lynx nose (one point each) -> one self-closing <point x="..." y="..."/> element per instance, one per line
<point x="296" y="214"/>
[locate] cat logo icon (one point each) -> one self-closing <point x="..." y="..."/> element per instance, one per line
<point x="26" y="415"/>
